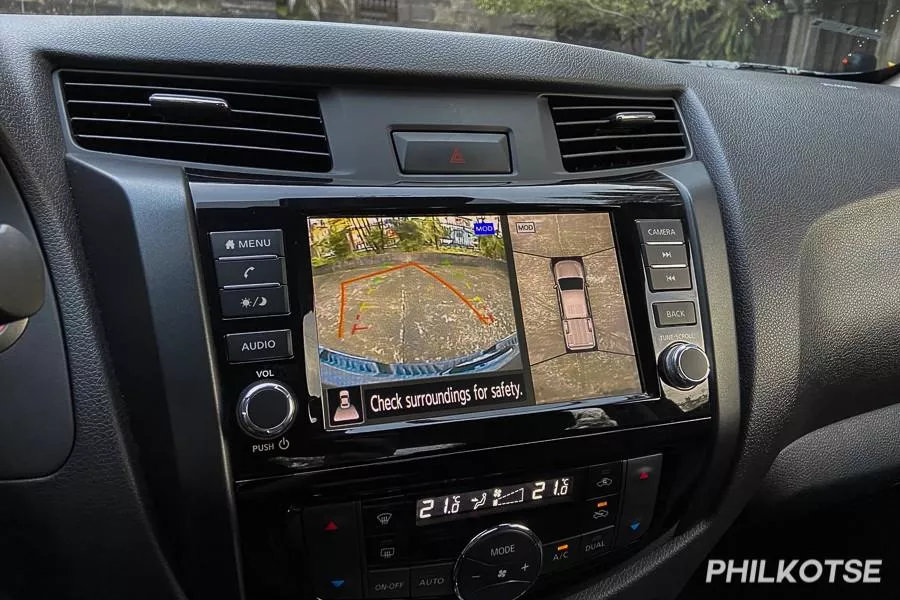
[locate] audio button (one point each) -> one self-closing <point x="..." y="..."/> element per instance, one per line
<point x="259" y="345"/>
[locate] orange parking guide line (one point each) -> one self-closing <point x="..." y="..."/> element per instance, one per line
<point x="379" y="272"/>
<point x="341" y="315"/>
<point x="449" y="286"/>
<point x="485" y="319"/>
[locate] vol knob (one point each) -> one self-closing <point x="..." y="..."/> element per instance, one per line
<point x="684" y="365"/>
<point x="266" y="409"/>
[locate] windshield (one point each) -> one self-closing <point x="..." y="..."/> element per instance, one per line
<point x="821" y="35"/>
<point x="571" y="283"/>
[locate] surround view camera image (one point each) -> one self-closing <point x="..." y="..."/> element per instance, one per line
<point x="577" y="330"/>
<point x="411" y="298"/>
<point x="419" y="316"/>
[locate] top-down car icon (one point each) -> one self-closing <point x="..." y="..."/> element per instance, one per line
<point x="571" y="291"/>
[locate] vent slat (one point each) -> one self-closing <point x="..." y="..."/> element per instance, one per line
<point x="196" y="125"/>
<point x="107" y="103"/>
<point x="590" y="140"/>
<point x="591" y="122"/>
<point x="269" y="125"/>
<point x="232" y="146"/>
<point x="276" y="114"/>
<point x="606" y="107"/>
<point x="184" y="90"/>
<point x="614" y="152"/>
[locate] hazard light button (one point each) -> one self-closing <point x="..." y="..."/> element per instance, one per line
<point x="436" y="153"/>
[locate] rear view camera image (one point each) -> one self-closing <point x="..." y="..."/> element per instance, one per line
<point x="573" y="307"/>
<point x="411" y="300"/>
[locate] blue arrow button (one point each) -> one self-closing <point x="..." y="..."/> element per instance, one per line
<point x="634" y="525"/>
<point x="336" y="583"/>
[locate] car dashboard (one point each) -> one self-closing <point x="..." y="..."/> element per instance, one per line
<point x="342" y="312"/>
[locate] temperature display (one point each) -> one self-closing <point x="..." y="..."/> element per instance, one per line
<point x="495" y="499"/>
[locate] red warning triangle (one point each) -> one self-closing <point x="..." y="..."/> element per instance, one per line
<point x="457" y="158"/>
<point x="332" y="526"/>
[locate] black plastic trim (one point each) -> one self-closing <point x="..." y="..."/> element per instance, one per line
<point x="155" y="319"/>
<point x="707" y="237"/>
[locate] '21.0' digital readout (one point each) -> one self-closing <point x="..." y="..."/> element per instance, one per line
<point x="493" y="500"/>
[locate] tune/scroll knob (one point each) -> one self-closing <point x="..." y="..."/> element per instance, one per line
<point x="266" y="409"/>
<point x="500" y="563"/>
<point x="684" y="365"/>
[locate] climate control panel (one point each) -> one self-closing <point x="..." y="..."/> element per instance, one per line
<point x="427" y="545"/>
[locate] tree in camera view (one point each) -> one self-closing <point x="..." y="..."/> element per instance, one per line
<point x="340" y="239"/>
<point x="410" y="290"/>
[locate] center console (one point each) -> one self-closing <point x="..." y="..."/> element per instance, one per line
<point x="474" y="392"/>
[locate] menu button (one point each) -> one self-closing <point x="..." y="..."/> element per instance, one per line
<point x="247" y="243"/>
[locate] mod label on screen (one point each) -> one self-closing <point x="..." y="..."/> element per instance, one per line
<point x="525" y="227"/>
<point x="484" y="229"/>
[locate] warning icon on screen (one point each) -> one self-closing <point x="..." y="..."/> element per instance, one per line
<point x="345" y="406"/>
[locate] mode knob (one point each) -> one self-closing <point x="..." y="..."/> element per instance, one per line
<point x="500" y="563"/>
<point x="266" y="409"/>
<point x="684" y="365"/>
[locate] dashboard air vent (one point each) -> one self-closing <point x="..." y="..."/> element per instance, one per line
<point x="597" y="133"/>
<point x="195" y="119"/>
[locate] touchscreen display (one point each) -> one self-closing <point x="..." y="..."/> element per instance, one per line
<point x="434" y="315"/>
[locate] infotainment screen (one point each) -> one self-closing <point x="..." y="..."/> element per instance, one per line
<point x="422" y="316"/>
